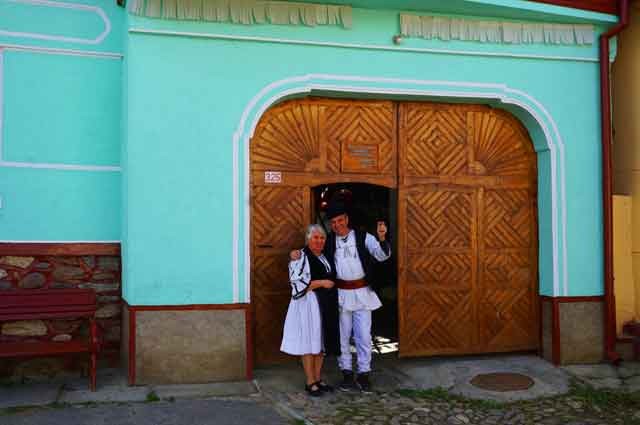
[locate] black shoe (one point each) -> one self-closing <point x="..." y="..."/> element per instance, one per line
<point x="362" y="381"/>
<point x="313" y="390"/>
<point x="347" y="381"/>
<point x="324" y="387"/>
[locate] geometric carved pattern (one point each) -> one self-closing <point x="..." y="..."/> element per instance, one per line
<point x="439" y="218"/>
<point x="440" y="271"/>
<point x="287" y="138"/>
<point x="499" y="148"/>
<point x="507" y="219"/>
<point x="439" y="328"/>
<point x="278" y="216"/>
<point x="505" y="319"/>
<point x="436" y="140"/>
<point x="506" y="269"/>
<point x="467" y="200"/>
<point x="363" y="124"/>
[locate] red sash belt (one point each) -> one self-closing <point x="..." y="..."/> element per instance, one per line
<point x="351" y="284"/>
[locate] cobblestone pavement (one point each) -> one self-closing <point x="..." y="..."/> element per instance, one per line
<point x="582" y="405"/>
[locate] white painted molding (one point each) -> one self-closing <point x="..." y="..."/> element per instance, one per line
<point x="60" y="5"/>
<point x="40" y="165"/>
<point x="358" y="46"/>
<point x="62" y="52"/>
<point x="312" y="83"/>
<point x="54" y="166"/>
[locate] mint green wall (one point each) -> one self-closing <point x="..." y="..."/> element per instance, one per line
<point x="86" y="91"/>
<point x="187" y="95"/>
<point x="60" y="121"/>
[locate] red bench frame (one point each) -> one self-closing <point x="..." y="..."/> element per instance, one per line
<point x="45" y="304"/>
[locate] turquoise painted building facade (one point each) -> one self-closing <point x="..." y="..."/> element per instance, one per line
<point x="120" y="127"/>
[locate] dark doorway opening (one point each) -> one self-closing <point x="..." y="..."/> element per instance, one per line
<point x="366" y="205"/>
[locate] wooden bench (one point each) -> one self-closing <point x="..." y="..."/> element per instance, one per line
<point x="45" y="304"/>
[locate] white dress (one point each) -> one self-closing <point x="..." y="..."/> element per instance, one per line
<point x="303" y="325"/>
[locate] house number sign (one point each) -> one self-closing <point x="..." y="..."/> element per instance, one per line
<point x="273" y="177"/>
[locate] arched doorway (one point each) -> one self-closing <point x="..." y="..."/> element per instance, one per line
<point x="467" y="245"/>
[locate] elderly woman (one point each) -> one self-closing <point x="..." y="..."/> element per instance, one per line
<point x="311" y="325"/>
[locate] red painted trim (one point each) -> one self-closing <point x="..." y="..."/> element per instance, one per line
<point x="191" y="307"/>
<point x="607" y="182"/>
<point x="27" y="248"/>
<point x="555" y="332"/>
<point x="249" y="335"/>
<point x="604" y="6"/>
<point x="132" y="347"/>
<point x="540" y="330"/>
<point x="585" y="299"/>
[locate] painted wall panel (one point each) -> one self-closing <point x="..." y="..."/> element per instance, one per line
<point x="88" y="25"/>
<point x="69" y="114"/>
<point x="60" y="120"/>
<point x="59" y="205"/>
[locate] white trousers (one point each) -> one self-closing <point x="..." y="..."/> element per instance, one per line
<point x="359" y="323"/>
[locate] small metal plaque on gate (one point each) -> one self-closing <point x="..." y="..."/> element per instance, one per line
<point x="358" y="157"/>
<point x="273" y="177"/>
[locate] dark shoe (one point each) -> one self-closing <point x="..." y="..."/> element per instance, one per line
<point x="324" y="387"/>
<point x="313" y="390"/>
<point x="347" y="381"/>
<point x="362" y="381"/>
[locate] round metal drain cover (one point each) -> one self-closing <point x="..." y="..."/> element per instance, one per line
<point x="502" y="382"/>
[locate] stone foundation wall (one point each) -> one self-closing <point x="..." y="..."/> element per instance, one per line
<point x="32" y="273"/>
<point x="581" y="332"/>
<point x="189" y="346"/>
<point x="572" y="330"/>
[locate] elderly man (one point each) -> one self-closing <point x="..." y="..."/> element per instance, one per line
<point x="353" y="253"/>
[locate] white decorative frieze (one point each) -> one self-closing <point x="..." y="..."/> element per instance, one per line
<point x="485" y="31"/>
<point x="246" y="12"/>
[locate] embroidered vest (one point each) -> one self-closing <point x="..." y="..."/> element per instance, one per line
<point x="366" y="259"/>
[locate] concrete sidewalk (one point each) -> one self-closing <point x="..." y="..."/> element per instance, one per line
<point x="180" y="412"/>
<point x="276" y="395"/>
<point x="453" y="374"/>
<point x="112" y="388"/>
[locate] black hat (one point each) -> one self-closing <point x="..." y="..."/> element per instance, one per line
<point x="335" y="209"/>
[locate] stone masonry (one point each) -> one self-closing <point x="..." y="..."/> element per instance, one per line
<point x="24" y="273"/>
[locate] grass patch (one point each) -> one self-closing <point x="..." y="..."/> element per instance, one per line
<point x="440" y="394"/>
<point x="13" y="410"/>
<point x="152" y="397"/>
<point x="605" y="399"/>
<point x="297" y="422"/>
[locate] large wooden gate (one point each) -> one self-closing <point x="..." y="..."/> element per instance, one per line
<point x="468" y="245"/>
<point x="467" y="231"/>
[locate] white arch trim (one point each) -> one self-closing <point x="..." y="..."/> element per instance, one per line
<point x="329" y="83"/>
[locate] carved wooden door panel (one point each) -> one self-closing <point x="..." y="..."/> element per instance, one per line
<point x="467" y="260"/>
<point x="286" y="142"/>
<point x="297" y="145"/>
<point x="507" y="290"/>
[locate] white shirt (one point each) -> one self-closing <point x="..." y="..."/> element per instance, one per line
<point x="349" y="267"/>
